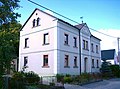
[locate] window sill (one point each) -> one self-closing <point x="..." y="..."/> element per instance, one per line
<point x="75" y="47"/>
<point x="86" y="49"/>
<point x="45" y="66"/>
<point x="66" y="66"/>
<point x="36" y="26"/>
<point x="66" y="44"/>
<point x="75" y="66"/>
<point x="26" y="47"/>
<point x="46" y="44"/>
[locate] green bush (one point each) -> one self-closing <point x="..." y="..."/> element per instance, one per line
<point x="67" y="79"/>
<point x="32" y="77"/>
<point x="60" y="77"/>
<point x="115" y="70"/>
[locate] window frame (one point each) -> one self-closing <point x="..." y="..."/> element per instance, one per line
<point x="92" y="47"/>
<point x="26" y="43"/>
<point x="25" y="61"/>
<point x="66" y="38"/>
<point x="97" y="49"/>
<point x="93" y="63"/>
<point x="66" y="61"/>
<point x="75" y="41"/>
<point x="75" y="62"/>
<point x="45" y="61"/>
<point x="46" y="39"/>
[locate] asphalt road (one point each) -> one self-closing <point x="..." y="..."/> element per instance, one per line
<point x="105" y="84"/>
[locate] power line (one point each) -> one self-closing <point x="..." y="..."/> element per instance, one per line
<point x="69" y="18"/>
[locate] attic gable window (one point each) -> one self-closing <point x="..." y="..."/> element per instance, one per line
<point x="34" y="23"/>
<point x="38" y="21"/>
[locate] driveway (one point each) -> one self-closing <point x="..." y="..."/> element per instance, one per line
<point x="105" y="84"/>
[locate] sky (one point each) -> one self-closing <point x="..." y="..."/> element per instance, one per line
<point x="101" y="15"/>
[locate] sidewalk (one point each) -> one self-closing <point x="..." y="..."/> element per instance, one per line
<point x="105" y="84"/>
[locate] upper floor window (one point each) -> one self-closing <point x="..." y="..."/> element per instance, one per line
<point x="34" y="23"/>
<point x="85" y="44"/>
<point x="46" y="38"/>
<point x="38" y="21"/>
<point x="75" y="61"/>
<point x="45" y="60"/>
<point x="92" y="63"/>
<point x="26" y="42"/>
<point x="66" y="39"/>
<point x="75" y="41"/>
<point x="92" y="47"/>
<point x="96" y="48"/>
<point x="66" y="63"/>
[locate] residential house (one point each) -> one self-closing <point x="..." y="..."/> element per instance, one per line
<point x="50" y="46"/>
<point x="109" y="56"/>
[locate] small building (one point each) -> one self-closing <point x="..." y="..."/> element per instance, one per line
<point x="109" y="56"/>
<point x="50" y="46"/>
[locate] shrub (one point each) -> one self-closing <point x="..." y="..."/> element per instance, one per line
<point x="115" y="70"/>
<point x="67" y="79"/>
<point x="32" y="77"/>
<point x="106" y="70"/>
<point x="60" y="77"/>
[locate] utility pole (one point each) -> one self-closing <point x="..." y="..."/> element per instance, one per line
<point x="118" y="51"/>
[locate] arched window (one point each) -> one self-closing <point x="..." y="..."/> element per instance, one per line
<point x="34" y="23"/>
<point x="38" y="21"/>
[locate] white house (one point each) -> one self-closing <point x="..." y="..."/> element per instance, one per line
<point x="50" y="46"/>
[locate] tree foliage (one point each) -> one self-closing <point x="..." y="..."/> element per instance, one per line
<point x="7" y="11"/>
<point x="106" y="70"/>
<point x="9" y="45"/>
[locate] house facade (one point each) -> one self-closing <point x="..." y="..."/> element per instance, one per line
<point x="50" y="46"/>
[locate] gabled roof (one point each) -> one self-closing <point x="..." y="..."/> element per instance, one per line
<point x="96" y="37"/>
<point x="107" y="54"/>
<point x="80" y="25"/>
<point x="49" y="15"/>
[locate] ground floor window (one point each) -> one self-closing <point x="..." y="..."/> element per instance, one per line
<point x="66" y="62"/>
<point x="45" y="60"/>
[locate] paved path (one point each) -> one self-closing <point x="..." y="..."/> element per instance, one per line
<point x="105" y="84"/>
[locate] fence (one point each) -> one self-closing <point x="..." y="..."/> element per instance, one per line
<point x="48" y="79"/>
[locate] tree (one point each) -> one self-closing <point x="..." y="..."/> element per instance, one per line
<point x="7" y="13"/>
<point x="9" y="45"/>
<point x="106" y="70"/>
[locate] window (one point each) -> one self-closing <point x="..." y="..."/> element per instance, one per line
<point x="75" y="41"/>
<point x="75" y="61"/>
<point x="46" y="39"/>
<point x="66" y="61"/>
<point x="38" y="21"/>
<point x="92" y="48"/>
<point x="25" y="61"/>
<point x="45" y="60"/>
<point x="85" y="45"/>
<point x="92" y="63"/>
<point x="96" y="48"/>
<point x="26" y="42"/>
<point x="34" y="23"/>
<point x="97" y="64"/>
<point x="66" y="39"/>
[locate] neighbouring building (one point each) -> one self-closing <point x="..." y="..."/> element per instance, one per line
<point x="50" y="46"/>
<point x="109" y="56"/>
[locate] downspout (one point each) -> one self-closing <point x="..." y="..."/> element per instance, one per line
<point x="80" y="50"/>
